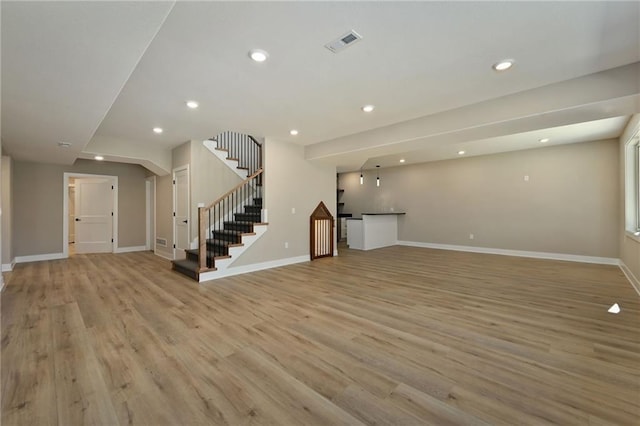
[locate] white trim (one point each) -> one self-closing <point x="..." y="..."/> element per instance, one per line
<point x="65" y="209"/>
<point x="1" y="284"/>
<point x="163" y="255"/>
<point x="151" y="213"/>
<point x="213" y="275"/>
<point x="147" y="213"/>
<point x="173" y="188"/>
<point x="632" y="236"/>
<point x="518" y="253"/>
<point x="41" y="257"/>
<point x="632" y="278"/>
<point x="130" y="249"/>
<point x="8" y="267"/>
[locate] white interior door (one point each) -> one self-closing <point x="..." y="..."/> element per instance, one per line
<point x="93" y="215"/>
<point x="181" y="212"/>
<point x="72" y="214"/>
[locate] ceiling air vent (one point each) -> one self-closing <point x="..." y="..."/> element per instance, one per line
<point x="347" y="39"/>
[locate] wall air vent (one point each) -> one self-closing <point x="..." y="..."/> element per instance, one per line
<point x="161" y="242"/>
<point x="345" y="40"/>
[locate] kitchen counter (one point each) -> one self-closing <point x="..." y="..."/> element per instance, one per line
<point x="373" y="230"/>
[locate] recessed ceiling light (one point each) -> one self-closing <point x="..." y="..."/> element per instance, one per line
<point x="99" y="157"/>
<point x="402" y="160"/>
<point x="461" y="152"/>
<point x="258" y="55"/>
<point x="157" y="130"/>
<point x="544" y="140"/>
<point x="293" y="132"/>
<point x="192" y="104"/>
<point x="64" y="144"/>
<point x="368" y="108"/>
<point x="503" y="65"/>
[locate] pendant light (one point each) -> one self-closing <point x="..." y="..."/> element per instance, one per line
<point x="377" y="175"/>
<point x="361" y="177"/>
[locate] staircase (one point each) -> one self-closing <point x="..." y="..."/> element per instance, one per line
<point x="229" y="225"/>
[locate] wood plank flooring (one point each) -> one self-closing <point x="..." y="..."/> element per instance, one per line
<point x="395" y="336"/>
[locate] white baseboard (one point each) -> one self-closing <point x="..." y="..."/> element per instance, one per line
<point x="632" y="278"/>
<point x="40" y="257"/>
<point x="1" y="284"/>
<point x="8" y="267"/>
<point x="163" y="255"/>
<point x="229" y="272"/>
<point x="130" y="249"/>
<point x="518" y="253"/>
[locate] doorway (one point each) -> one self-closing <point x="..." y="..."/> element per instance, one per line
<point x="181" y="212"/>
<point x="90" y="211"/>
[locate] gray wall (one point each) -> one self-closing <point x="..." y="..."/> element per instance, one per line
<point x="570" y="204"/>
<point x="290" y="182"/>
<point x="181" y="155"/>
<point x="38" y="204"/>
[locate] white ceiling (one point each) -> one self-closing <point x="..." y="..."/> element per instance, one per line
<point x="102" y="74"/>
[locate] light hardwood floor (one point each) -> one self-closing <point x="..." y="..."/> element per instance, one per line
<point x="397" y="336"/>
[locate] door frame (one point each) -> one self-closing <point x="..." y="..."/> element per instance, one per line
<point x="173" y="176"/>
<point x="150" y="202"/>
<point x="65" y="206"/>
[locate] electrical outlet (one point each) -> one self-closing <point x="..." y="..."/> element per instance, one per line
<point x="286" y="245"/>
<point x="471" y="236"/>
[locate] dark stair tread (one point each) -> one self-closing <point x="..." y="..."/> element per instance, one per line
<point x="238" y="223"/>
<point x="196" y="252"/>
<point x="228" y="232"/>
<point x="222" y="243"/>
<point x="187" y="267"/>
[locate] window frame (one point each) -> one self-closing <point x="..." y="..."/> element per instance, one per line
<point x="632" y="186"/>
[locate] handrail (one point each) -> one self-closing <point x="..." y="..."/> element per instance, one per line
<point x="213" y="219"/>
<point x="255" y="141"/>
<point x="244" y="148"/>
<point x="235" y="188"/>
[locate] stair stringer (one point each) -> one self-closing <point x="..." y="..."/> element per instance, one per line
<point x="223" y="266"/>
<point x="222" y="155"/>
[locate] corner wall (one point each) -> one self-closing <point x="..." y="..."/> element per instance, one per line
<point x="569" y="205"/>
